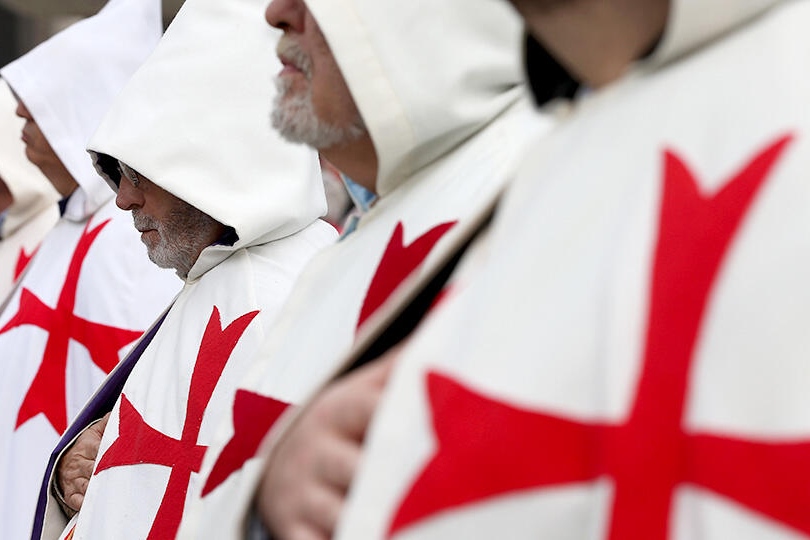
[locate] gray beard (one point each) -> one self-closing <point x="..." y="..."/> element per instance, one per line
<point x="183" y="236"/>
<point x="294" y="118"/>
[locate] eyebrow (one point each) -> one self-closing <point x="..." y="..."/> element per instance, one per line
<point x="129" y="173"/>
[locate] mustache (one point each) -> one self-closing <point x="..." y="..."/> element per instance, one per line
<point x="291" y="52"/>
<point x="143" y="222"/>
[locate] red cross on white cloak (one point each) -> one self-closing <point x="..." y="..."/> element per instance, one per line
<point x="138" y="443"/>
<point x="649" y="455"/>
<point x="254" y="414"/>
<point x="397" y="263"/>
<point x="47" y="394"/>
<point x="22" y="261"/>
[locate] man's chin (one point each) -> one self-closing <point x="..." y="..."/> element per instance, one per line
<point x="158" y="261"/>
<point x="157" y="256"/>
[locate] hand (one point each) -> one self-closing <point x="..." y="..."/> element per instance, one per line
<point x="74" y="469"/>
<point x="308" y="474"/>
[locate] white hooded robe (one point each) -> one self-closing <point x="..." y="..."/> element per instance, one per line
<point x="448" y="121"/>
<point x="90" y="290"/>
<point x="206" y="140"/>
<point x="34" y="210"/>
<point x="631" y="360"/>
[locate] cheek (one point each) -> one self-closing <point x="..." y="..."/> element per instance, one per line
<point x="331" y="97"/>
<point x="37" y="146"/>
<point x="38" y="156"/>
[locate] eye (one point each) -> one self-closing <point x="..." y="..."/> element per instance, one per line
<point x="129" y="173"/>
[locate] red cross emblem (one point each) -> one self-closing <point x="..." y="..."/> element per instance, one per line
<point x="22" y="261"/>
<point x="649" y="455"/>
<point x="47" y="392"/>
<point x="253" y="416"/>
<point x="396" y="264"/>
<point x="139" y="443"/>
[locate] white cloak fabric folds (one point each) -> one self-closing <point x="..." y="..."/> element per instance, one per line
<point x="34" y="210"/>
<point x="448" y="116"/>
<point x="632" y="361"/>
<point x="195" y="121"/>
<point x="91" y="290"/>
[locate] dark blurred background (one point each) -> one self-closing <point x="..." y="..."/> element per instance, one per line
<point x="25" y="23"/>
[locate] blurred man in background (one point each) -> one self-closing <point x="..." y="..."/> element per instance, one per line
<point x="28" y="208"/>
<point x="428" y="136"/>
<point x="91" y="290"/>
<point x="237" y="218"/>
<point x="637" y="367"/>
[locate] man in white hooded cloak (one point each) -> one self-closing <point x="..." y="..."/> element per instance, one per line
<point x="205" y="142"/>
<point x="90" y="291"/>
<point x="630" y="360"/>
<point x="433" y="127"/>
<point x="32" y="210"/>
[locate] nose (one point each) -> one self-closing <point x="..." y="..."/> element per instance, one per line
<point x="286" y="15"/>
<point x="129" y="197"/>
<point x="22" y="111"/>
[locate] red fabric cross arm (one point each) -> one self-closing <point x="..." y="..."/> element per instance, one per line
<point x="397" y="263"/>
<point x="139" y="443"/>
<point x="651" y="453"/>
<point x="253" y="416"/>
<point x="47" y="394"/>
<point x="22" y="261"/>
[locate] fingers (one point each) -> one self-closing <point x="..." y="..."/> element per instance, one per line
<point x="334" y="467"/>
<point x="74" y="497"/>
<point x="74" y="469"/>
<point x="310" y="470"/>
<point x="321" y="509"/>
<point x="73" y="476"/>
<point x="350" y="402"/>
<point x="305" y="532"/>
<point x="99" y="427"/>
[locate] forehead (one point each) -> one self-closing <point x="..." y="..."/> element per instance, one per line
<point x="147" y="186"/>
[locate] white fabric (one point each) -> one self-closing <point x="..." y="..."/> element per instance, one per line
<point x="207" y="140"/>
<point x="34" y="210"/>
<point x="199" y="121"/>
<point x="123" y="501"/>
<point x="560" y="329"/>
<point x="62" y="85"/>
<point x="76" y="72"/>
<point x="417" y="110"/>
<point x="693" y="24"/>
<point x="117" y="286"/>
<point x="433" y="187"/>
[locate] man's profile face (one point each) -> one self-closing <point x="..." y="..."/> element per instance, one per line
<point x="314" y="105"/>
<point x="39" y="152"/>
<point x="175" y="233"/>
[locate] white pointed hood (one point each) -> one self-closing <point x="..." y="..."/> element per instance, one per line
<point x="417" y="100"/>
<point x="69" y="81"/>
<point x="691" y="24"/>
<point x="32" y="192"/>
<point x="195" y="121"/>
